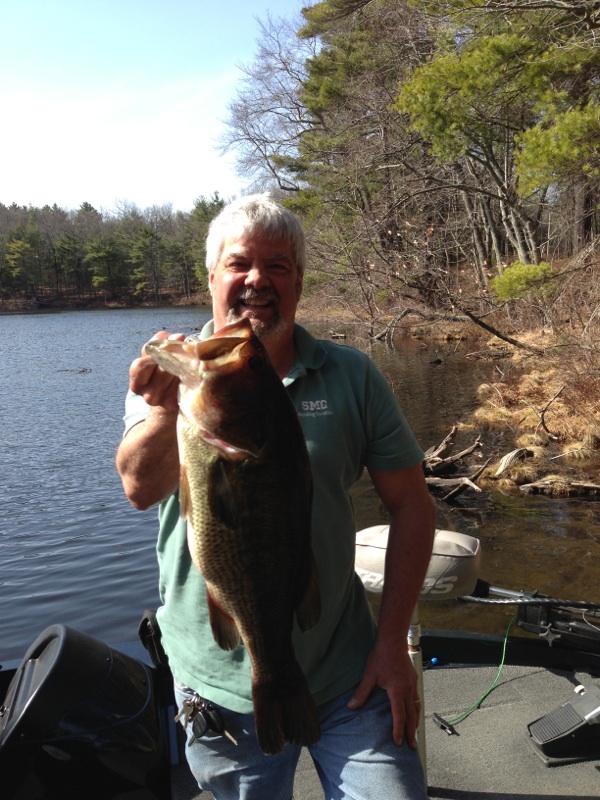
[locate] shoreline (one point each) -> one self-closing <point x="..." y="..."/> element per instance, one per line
<point x="20" y="306"/>
<point x="551" y="417"/>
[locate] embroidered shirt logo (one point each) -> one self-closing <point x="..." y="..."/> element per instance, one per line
<point x="314" y="408"/>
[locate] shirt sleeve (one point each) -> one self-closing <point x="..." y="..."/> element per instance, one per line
<point x="391" y="443"/>
<point x="136" y="410"/>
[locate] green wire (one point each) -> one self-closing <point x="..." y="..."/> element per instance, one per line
<point x="476" y="705"/>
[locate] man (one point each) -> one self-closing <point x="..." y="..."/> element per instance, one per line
<point x="361" y="677"/>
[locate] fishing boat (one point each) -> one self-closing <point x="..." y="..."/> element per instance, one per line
<point x="503" y="717"/>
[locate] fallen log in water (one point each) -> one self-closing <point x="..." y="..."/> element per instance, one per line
<point x="443" y="449"/>
<point x="507" y="461"/>
<point x="556" y="487"/>
<point x="457" y="484"/>
<point x="441" y="459"/>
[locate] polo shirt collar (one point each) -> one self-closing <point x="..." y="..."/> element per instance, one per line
<point x="310" y="354"/>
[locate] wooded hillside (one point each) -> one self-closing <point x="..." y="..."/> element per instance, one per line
<point x="444" y="152"/>
<point x="51" y="255"/>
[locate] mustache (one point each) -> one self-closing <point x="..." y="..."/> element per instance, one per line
<point x="248" y="295"/>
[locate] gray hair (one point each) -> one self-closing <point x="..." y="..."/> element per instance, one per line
<point x="255" y="214"/>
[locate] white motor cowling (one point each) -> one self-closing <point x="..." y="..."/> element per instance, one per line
<point x="453" y="568"/>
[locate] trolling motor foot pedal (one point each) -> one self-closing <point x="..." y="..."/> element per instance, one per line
<point x="570" y="732"/>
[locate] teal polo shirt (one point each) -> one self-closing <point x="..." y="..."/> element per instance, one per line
<point x="351" y="420"/>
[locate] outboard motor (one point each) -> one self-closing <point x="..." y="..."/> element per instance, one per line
<point x="453" y="567"/>
<point x="80" y="719"/>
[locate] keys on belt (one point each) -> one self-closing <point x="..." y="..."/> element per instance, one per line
<point x="203" y="717"/>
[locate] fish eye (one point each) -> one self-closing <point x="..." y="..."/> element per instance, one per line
<point x="256" y="362"/>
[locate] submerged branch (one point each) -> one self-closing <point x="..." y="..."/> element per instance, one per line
<point x="503" y="336"/>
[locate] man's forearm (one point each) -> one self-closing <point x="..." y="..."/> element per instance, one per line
<point x="410" y="540"/>
<point x="412" y="523"/>
<point x="407" y="559"/>
<point x="148" y="460"/>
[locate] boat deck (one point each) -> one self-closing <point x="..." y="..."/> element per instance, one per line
<point x="489" y="757"/>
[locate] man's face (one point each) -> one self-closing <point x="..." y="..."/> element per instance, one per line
<point x="256" y="278"/>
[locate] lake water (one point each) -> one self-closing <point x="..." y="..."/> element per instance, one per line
<point x="72" y="549"/>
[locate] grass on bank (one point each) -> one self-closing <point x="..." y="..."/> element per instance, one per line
<point x="548" y="406"/>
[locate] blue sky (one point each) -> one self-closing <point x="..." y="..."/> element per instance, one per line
<point x="121" y="101"/>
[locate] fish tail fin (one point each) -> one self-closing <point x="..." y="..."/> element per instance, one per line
<point x="309" y="608"/>
<point x="285" y="711"/>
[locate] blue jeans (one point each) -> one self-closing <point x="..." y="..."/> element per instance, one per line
<point x="355" y="757"/>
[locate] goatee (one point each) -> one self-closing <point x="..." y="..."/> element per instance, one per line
<point x="262" y="327"/>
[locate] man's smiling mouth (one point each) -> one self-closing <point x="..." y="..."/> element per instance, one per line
<point x="256" y="300"/>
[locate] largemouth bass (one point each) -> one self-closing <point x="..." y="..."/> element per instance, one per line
<point x="245" y="491"/>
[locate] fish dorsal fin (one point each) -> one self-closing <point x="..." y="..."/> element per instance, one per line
<point x="224" y="504"/>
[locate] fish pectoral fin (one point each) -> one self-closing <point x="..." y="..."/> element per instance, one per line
<point x="224" y="504"/>
<point x="223" y="626"/>
<point x="308" y="610"/>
